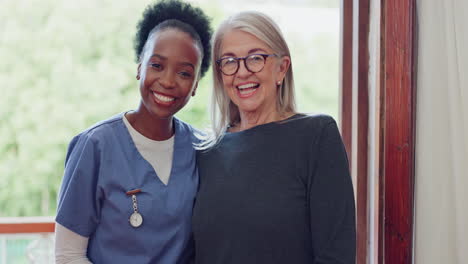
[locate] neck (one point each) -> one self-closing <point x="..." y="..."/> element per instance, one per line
<point x="150" y="126"/>
<point x="252" y="119"/>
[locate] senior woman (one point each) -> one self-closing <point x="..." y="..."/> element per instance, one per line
<point x="274" y="184"/>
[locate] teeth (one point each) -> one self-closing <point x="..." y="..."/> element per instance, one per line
<point x="163" y="97"/>
<point x="246" y="86"/>
<point x="246" y="92"/>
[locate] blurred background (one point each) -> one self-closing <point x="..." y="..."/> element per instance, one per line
<point x="67" y="64"/>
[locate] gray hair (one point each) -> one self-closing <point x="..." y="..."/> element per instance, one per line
<point x="223" y="111"/>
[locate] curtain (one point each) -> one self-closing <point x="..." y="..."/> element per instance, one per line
<point x="441" y="185"/>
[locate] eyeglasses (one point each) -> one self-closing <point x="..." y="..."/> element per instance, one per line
<point x="253" y="63"/>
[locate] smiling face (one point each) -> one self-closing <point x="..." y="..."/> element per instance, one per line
<point x="169" y="73"/>
<point x="252" y="92"/>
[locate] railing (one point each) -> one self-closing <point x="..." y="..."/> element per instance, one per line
<point x="26" y="240"/>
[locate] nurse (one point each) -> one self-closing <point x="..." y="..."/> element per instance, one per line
<point x="130" y="181"/>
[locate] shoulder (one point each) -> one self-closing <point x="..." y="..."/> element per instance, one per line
<point x="188" y="130"/>
<point x="183" y="126"/>
<point x="313" y="128"/>
<point x="311" y="122"/>
<point x="103" y="127"/>
<point x="99" y="131"/>
<point x="320" y="120"/>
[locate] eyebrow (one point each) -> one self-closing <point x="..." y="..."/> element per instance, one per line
<point x="188" y="64"/>
<point x="159" y="56"/>
<point x="230" y="54"/>
<point x="165" y="58"/>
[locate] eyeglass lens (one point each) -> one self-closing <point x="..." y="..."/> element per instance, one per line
<point x="253" y="63"/>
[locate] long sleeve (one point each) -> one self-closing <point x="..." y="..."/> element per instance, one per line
<point x="70" y="247"/>
<point x="331" y="201"/>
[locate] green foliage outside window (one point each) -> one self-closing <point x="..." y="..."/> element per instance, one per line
<point x="68" y="64"/>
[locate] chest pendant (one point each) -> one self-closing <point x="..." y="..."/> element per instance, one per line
<point x="135" y="218"/>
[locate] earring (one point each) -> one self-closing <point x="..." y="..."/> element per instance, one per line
<point x="278" y="83"/>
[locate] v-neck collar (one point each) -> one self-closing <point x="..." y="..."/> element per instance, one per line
<point x="178" y="144"/>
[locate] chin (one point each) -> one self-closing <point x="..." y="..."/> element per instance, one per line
<point x="248" y="108"/>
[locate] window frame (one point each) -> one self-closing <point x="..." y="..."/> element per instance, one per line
<point x="396" y="105"/>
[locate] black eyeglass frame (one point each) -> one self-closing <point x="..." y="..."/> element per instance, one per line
<point x="237" y="59"/>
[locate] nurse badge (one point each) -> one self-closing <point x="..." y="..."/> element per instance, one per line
<point x="135" y="219"/>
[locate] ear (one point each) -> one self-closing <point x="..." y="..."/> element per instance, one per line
<point x="283" y="68"/>
<point x="138" y="71"/>
<point x="195" y="88"/>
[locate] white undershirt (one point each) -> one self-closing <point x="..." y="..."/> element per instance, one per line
<point x="71" y="247"/>
<point x="157" y="153"/>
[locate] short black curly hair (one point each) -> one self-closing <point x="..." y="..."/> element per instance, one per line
<point x="167" y="14"/>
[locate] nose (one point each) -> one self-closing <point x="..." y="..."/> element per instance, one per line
<point x="242" y="71"/>
<point x="167" y="79"/>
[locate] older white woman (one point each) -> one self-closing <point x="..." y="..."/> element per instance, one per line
<point x="274" y="184"/>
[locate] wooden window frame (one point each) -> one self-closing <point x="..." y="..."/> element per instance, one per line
<point x="396" y="119"/>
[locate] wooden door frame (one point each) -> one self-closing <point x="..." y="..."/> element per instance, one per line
<point x="396" y="135"/>
<point x="397" y="132"/>
<point x="355" y="108"/>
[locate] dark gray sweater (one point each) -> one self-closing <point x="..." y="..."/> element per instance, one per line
<point x="276" y="193"/>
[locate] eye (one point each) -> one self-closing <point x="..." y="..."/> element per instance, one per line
<point x="185" y="74"/>
<point x="256" y="58"/>
<point x="228" y="61"/>
<point x="156" y="66"/>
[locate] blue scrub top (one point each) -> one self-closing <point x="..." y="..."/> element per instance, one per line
<point x="102" y="164"/>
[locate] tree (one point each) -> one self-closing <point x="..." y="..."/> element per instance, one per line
<point x="68" y="64"/>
